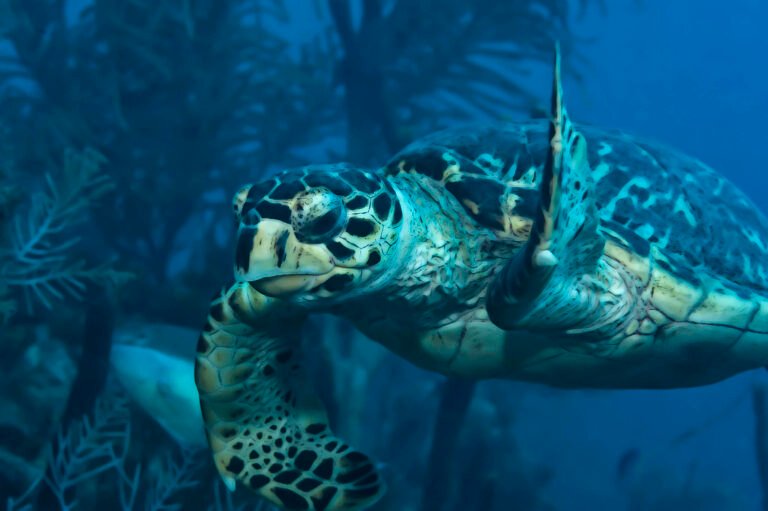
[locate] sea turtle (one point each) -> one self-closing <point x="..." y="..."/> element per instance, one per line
<point x="494" y="251"/>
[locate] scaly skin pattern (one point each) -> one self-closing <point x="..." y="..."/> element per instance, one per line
<point x="265" y="426"/>
<point x="408" y="257"/>
<point x="525" y="251"/>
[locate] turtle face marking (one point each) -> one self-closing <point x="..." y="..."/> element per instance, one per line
<point x="315" y="232"/>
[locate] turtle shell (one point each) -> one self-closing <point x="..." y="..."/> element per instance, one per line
<point x="647" y="194"/>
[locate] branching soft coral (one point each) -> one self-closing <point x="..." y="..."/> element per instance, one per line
<point x="35" y="256"/>
<point x="91" y="447"/>
<point x="97" y="446"/>
<point x="88" y="448"/>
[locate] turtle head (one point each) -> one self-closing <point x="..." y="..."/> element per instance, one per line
<point x="317" y="232"/>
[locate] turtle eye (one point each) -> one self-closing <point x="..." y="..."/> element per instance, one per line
<point x="318" y="216"/>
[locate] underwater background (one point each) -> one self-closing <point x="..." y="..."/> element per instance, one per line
<point x="127" y="125"/>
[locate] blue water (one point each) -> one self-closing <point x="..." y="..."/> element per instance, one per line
<point x="689" y="73"/>
<point x="693" y="75"/>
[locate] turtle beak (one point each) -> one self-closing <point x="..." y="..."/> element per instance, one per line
<point x="275" y="263"/>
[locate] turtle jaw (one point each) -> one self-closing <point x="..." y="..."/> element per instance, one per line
<point x="283" y="286"/>
<point x="276" y="263"/>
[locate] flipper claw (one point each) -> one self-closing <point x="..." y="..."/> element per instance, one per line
<point x="545" y="258"/>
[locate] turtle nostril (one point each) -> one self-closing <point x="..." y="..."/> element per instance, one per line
<point x="318" y="215"/>
<point x="251" y="217"/>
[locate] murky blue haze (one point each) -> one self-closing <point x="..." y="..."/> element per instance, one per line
<point x="690" y="74"/>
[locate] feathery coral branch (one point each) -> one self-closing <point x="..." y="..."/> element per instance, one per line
<point x="37" y="255"/>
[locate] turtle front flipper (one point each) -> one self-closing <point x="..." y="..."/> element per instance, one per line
<point x="544" y="284"/>
<point x="264" y="424"/>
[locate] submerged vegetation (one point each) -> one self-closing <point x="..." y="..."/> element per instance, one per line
<point x="40" y="242"/>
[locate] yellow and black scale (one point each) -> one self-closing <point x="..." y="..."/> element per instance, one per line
<point x="575" y="258"/>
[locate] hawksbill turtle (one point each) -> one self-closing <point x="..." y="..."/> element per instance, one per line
<point x="495" y="251"/>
